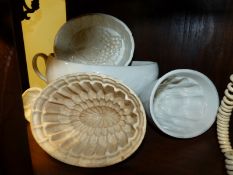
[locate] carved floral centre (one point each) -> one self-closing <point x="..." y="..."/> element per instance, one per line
<point x="99" y="117"/>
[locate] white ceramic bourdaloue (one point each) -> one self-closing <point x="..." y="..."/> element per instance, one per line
<point x="88" y="120"/>
<point x="137" y="76"/>
<point x="183" y="103"/>
<point x="97" y="39"/>
<point x="29" y="96"/>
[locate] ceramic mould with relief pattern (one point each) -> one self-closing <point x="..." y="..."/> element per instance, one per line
<point x="88" y="120"/>
<point x="95" y="38"/>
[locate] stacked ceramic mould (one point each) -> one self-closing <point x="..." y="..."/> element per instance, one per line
<point x="100" y="43"/>
<point x="89" y="114"/>
<point x="183" y="103"/>
<point x="223" y="122"/>
<point x="96" y="43"/>
<point x="88" y="120"/>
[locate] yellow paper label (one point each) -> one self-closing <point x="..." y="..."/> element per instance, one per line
<point x="39" y="33"/>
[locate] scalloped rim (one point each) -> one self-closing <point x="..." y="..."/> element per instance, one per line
<point x="105" y="15"/>
<point x="116" y="159"/>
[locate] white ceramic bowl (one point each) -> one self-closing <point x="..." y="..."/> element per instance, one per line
<point x="97" y="39"/>
<point x="137" y="76"/>
<point x="184" y="103"/>
<point x="88" y="120"/>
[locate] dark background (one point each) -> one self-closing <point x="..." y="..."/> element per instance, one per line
<point x="194" y="34"/>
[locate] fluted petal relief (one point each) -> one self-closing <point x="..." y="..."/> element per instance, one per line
<point x="112" y="143"/>
<point x="59" y="137"/>
<point x="88" y="120"/>
<point x="101" y="145"/>
<point x="122" y="138"/>
<point x="55" y="118"/>
<point x="53" y="128"/>
<point x="69" y="143"/>
<point x="91" y="146"/>
<point x="128" y="130"/>
<point x="130" y="119"/>
<point x="56" y="108"/>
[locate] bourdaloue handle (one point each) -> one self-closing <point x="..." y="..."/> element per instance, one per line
<point x="35" y="67"/>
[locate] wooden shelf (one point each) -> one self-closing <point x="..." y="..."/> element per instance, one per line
<point x="158" y="154"/>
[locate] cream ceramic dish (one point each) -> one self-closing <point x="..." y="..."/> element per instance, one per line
<point x="88" y="120"/>
<point x="55" y="68"/>
<point x="29" y="97"/>
<point x="184" y="103"/>
<point x="97" y="39"/>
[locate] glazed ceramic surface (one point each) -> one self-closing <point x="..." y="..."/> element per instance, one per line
<point x="182" y="103"/>
<point x="29" y="97"/>
<point x="137" y="76"/>
<point x="88" y="120"/>
<point x="98" y="39"/>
